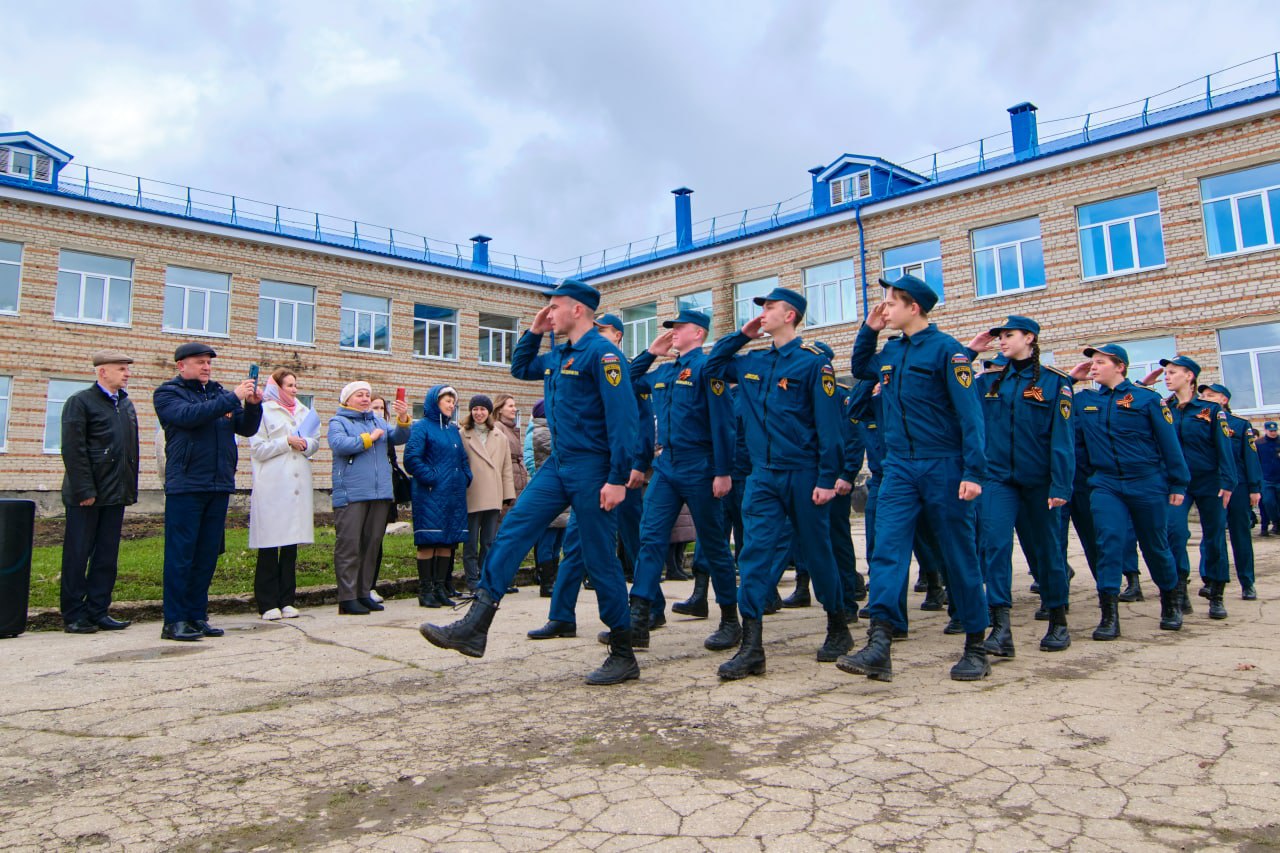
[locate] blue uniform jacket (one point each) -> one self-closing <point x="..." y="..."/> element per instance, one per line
<point x="646" y="430"/>
<point x="788" y="404"/>
<point x="1244" y="444"/>
<point x="361" y="471"/>
<point x="1202" y="431"/>
<point x="696" y="426"/>
<point x="201" y="423"/>
<point x="1030" y="439"/>
<point x="1269" y="457"/>
<point x="864" y="412"/>
<point x="591" y="407"/>
<point x="929" y="409"/>
<point x="1127" y="432"/>
<point x="741" y="452"/>
<point x="438" y="463"/>
<point x="853" y="447"/>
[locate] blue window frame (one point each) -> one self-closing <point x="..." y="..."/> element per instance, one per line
<point x="1120" y="235"/>
<point x="922" y="260"/>
<point x="1242" y="210"/>
<point x="1007" y="258"/>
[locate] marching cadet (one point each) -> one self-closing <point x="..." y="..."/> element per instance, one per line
<point x="931" y="426"/>
<point x="696" y="432"/>
<point x="852" y="453"/>
<point x="1201" y="428"/>
<point x="1026" y="408"/>
<point x="788" y="406"/>
<point x="1128" y="442"/>
<point x="591" y="410"/>
<point x="1246" y="495"/>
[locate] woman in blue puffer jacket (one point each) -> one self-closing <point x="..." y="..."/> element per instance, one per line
<point x="437" y="461"/>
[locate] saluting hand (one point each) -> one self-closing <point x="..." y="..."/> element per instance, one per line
<point x="822" y="496"/>
<point x="662" y="344"/>
<point x="982" y="342"/>
<point x="751" y="329"/>
<point x="611" y="496"/>
<point x="1226" y="497"/>
<point x="542" y="321"/>
<point x="1081" y="371"/>
<point x="876" y="319"/>
<point x="969" y="491"/>
<point x="1150" y="378"/>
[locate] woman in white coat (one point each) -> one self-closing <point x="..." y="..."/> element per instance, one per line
<point x="280" y="506"/>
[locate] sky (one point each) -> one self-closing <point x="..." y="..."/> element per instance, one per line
<point x="559" y="128"/>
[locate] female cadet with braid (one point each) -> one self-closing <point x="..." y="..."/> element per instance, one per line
<point x="1026" y="408"/>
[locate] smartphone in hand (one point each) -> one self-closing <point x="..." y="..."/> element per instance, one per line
<point x="253" y="372"/>
<point x="400" y="395"/>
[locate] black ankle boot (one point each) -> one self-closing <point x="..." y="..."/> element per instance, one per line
<point x="1132" y="588"/>
<point x="1109" y="625"/>
<point x="427" y="583"/>
<point x="621" y="664"/>
<point x="729" y="634"/>
<point x="554" y="630"/>
<point x="774" y="604"/>
<point x="933" y="597"/>
<point x="921" y="584"/>
<point x="954" y="626"/>
<point x="470" y="633"/>
<point x="873" y="660"/>
<point x="547" y="573"/>
<point x="859" y="587"/>
<point x="1170" y="610"/>
<point x="444" y="566"/>
<point x="696" y="604"/>
<point x="1184" y="600"/>
<point x="1217" y="610"/>
<point x="640" y="623"/>
<point x="750" y="657"/>
<point x="1057" y="638"/>
<point x="838" y="642"/>
<point x="973" y="665"/>
<point x="799" y="597"/>
<point x="1000" y="641"/>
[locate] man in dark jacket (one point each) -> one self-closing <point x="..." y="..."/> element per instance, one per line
<point x="201" y="420"/>
<point x="100" y="453"/>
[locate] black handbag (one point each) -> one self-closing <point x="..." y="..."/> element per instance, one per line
<point x="401" y="485"/>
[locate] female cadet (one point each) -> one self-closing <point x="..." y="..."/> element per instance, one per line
<point x="1128" y="443"/>
<point x="1244" y="498"/>
<point x="1026" y="409"/>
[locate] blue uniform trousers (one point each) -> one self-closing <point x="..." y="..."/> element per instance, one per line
<point x="193" y="538"/>
<point x="1213" y="534"/>
<point x="1005" y="505"/>
<point x="733" y="515"/>
<point x="1081" y="516"/>
<point x="558" y="484"/>
<point x="1270" y="505"/>
<point x="1238" y="532"/>
<point x="1136" y="507"/>
<point x="629" y="513"/>
<point x="564" y="593"/>
<point x="547" y="548"/>
<point x="910" y="488"/>
<point x="662" y="502"/>
<point x="772" y="495"/>
<point x="841" y="506"/>
<point x="869" y="522"/>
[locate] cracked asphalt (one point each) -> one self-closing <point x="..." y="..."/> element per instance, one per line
<point x="344" y="733"/>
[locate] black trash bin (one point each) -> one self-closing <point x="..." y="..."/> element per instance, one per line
<point x="17" y="534"/>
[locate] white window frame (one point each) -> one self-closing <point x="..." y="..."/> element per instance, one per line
<point x="187" y="292"/>
<point x="36" y="159"/>
<point x="6" y="394"/>
<point x="1255" y="371"/>
<point x="108" y="282"/>
<point x="995" y="250"/>
<point x="688" y="300"/>
<point x="1139" y="369"/>
<point x="505" y="338"/>
<point x="744" y="308"/>
<point x="445" y="326"/>
<point x="277" y="301"/>
<point x="17" y="302"/>
<point x="356" y="315"/>
<point x="1132" y="228"/>
<point x="850" y="188"/>
<point x="632" y="341"/>
<point x="915" y="268"/>
<point x="850" y="281"/>
<point x="1272" y="227"/>
<point x="49" y="401"/>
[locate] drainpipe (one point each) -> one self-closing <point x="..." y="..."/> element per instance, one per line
<point x="862" y="257"/>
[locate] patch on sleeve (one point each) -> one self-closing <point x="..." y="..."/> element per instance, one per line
<point x="1064" y="406"/>
<point x="828" y="380"/>
<point x="1168" y="415"/>
<point x="717" y="387"/>
<point x="612" y="369"/>
<point x="1065" y="391"/>
<point x="608" y="358"/>
<point x="963" y="372"/>
<point x="959" y="358"/>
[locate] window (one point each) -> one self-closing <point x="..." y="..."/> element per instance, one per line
<point x="1242" y="210"/>
<point x="435" y="332"/>
<point x="308" y="400"/>
<point x="497" y="338"/>
<point x="10" y="276"/>
<point x="1251" y="366"/>
<point x="1008" y="258"/>
<point x="850" y="188"/>
<point x="743" y="308"/>
<point x="59" y="391"/>
<point x="366" y="323"/>
<point x="25" y="164"/>
<point x="1145" y="355"/>
<point x="93" y="289"/>
<point x="196" y="301"/>
<point x="922" y="260"/>
<point x="1120" y="235"/>
<point x="832" y="292"/>
<point x="287" y="313"/>
<point x="639" y="328"/>
<point x="6" y="391"/>
<point x="700" y="301"/>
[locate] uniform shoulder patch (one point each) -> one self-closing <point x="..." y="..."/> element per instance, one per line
<point x="1052" y="369"/>
<point x="959" y="358"/>
<point x="609" y="357"/>
<point x="811" y="348"/>
<point x="717" y="387"/>
<point x="828" y="380"/>
<point x="963" y="372"/>
<point x="1065" y="391"/>
<point x="1168" y="415"/>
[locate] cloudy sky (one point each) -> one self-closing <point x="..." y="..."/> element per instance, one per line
<point x="559" y="127"/>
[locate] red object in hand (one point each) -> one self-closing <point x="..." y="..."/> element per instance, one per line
<point x="400" y="394"/>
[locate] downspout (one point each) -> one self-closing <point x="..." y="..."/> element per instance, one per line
<point x="862" y="257"/>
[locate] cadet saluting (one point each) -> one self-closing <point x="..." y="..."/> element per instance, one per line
<point x="592" y="414"/>
<point x="1244" y="497"/>
<point x="931" y="426"/>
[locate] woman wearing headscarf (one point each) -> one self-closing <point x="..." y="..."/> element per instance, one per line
<point x="437" y="462"/>
<point x="492" y="486"/>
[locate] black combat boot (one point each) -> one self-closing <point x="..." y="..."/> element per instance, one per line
<point x="1057" y="638"/>
<point x="1132" y="588"/>
<point x="973" y="665"/>
<point x="1217" y="610"/>
<point x="750" y="657"/>
<point x="1184" y="600"/>
<point x="1204" y="589"/>
<point x="696" y="604"/>
<point x="547" y="577"/>
<point x="427" y="583"/>
<point x="859" y="587"/>
<point x="444" y="566"/>
<point x="621" y="664"/>
<point x="838" y="641"/>
<point x="470" y="633"/>
<point x="800" y="595"/>
<point x="774" y="604"/>
<point x="1170" y="610"/>
<point x="554" y="630"/>
<point x="640" y="625"/>
<point x="1248" y="593"/>
<point x="873" y="660"/>
<point x="729" y="634"/>
<point x="933" y="596"/>
<point x="921" y="584"/>
<point x="1109" y="626"/>
<point x="954" y="626"/>
<point x="1000" y="641"/>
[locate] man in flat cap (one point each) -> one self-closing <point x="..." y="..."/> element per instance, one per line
<point x="201" y="420"/>
<point x="100" y="454"/>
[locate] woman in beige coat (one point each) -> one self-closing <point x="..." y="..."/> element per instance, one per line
<point x="492" y="484"/>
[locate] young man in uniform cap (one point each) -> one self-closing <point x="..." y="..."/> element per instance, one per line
<point x="1269" y="457"/>
<point x="1246" y="495"/>
<point x="100" y="453"/>
<point x="591" y="411"/>
<point x="933" y="437"/>
<point x="201" y="420"/>
<point x="788" y="406"/>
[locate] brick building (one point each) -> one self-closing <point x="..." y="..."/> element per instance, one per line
<point x="1159" y="230"/>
